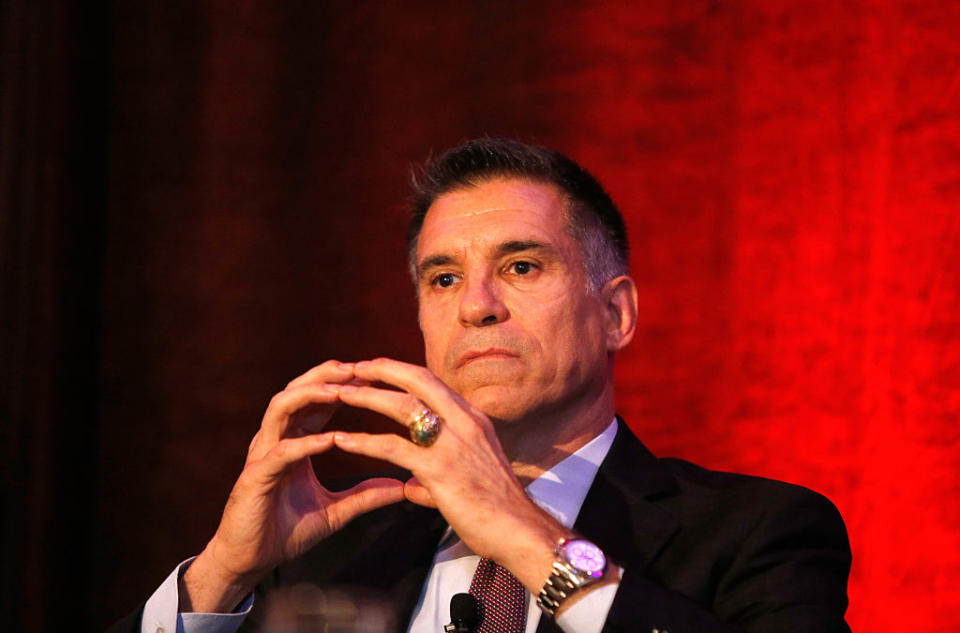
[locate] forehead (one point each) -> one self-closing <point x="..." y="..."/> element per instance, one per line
<point x="493" y="212"/>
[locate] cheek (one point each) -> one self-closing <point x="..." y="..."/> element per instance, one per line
<point x="577" y="333"/>
<point x="434" y="328"/>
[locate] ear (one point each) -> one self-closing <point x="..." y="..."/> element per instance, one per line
<point x="620" y="298"/>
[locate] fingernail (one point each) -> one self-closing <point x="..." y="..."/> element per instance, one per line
<point x="362" y="364"/>
<point x="340" y="437"/>
<point x="345" y="366"/>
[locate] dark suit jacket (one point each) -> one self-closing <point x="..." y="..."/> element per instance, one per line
<point x="702" y="551"/>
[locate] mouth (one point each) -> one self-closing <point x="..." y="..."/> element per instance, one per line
<point x="490" y="353"/>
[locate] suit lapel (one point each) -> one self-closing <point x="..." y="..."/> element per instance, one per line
<point x="399" y="558"/>
<point x="387" y="551"/>
<point x="619" y="513"/>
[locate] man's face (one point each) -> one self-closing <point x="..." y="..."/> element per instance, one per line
<point x="507" y="316"/>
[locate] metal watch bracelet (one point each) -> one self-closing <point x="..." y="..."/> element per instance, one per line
<point x="565" y="579"/>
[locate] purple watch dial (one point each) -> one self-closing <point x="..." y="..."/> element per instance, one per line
<point x="585" y="556"/>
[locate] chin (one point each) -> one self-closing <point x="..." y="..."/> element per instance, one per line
<point x="500" y="403"/>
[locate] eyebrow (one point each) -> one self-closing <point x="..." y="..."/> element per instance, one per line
<point x="506" y="248"/>
<point x="434" y="261"/>
<point x="518" y="246"/>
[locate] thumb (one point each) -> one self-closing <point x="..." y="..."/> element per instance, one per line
<point x="415" y="492"/>
<point x="365" y="496"/>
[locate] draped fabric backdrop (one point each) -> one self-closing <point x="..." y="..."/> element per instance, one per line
<point x="203" y="200"/>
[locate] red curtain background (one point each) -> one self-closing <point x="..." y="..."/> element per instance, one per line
<point x="790" y="175"/>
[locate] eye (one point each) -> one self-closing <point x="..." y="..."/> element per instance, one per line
<point x="522" y="268"/>
<point x="444" y="280"/>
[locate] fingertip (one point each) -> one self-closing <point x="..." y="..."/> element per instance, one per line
<point x="397" y="493"/>
<point x="415" y="492"/>
<point x="386" y="483"/>
<point x="320" y="443"/>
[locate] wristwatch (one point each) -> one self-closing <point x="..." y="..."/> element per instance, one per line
<point x="579" y="563"/>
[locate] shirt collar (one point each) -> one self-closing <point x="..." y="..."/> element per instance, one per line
<point x="561" y="490"/>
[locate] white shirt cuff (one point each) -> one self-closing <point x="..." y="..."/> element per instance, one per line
<point x="588" y="614"/>
<point x="160" y="612"/>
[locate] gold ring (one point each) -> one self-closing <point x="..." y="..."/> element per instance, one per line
<point x="425" y="427"/>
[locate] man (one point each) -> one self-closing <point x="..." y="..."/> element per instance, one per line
<point x="525" y="488"/>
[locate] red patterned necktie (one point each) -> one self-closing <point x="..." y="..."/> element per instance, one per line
<point x="501" y="598"/>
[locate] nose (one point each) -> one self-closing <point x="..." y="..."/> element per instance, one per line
<point x="481" y="304"/>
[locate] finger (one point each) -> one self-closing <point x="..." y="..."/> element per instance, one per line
<point x="415" y="491"/>
<point x="253" y="444"/>
<point x="385" y="446"/>
<point x="397" y="405"/>
<point x="416" y="380"/>
<point x="292" y="450"/>
<point x="313" y="418"/>
<point x="277" y="417"/>
<point x="330" y="371"/>
<point x="364" y="497"/>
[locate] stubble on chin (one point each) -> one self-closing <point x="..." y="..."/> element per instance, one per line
<point x="505" y="405"/>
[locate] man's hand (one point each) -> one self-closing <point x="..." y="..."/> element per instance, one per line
<point x="465" y="473"/>
<point x="277" y="510"/>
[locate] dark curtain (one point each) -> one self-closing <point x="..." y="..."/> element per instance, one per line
<point x="202" y="200"/>
<point x="54" y="135"/>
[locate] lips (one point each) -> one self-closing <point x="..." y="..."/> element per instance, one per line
<point x="490" y="353"/>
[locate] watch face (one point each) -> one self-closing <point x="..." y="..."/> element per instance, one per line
<point x="585" y="556"/>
